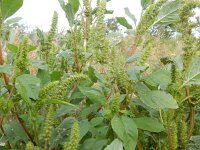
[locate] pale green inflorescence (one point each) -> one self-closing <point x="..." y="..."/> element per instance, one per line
<point x="92" y="39"/>
<point x="149" y="17"/>
<point x="174" y="136"/>
<point x="115" y="103"/>
<point x="48" y="125"/>
<point x="146" y="54"/>
<point x="48" y="42"/>
<point x="47" y="88"/>
<point x="118" y="70"/>
<point x="102" y="43"/>
<point x="185" y="27"/>
<point x="66" y="83"/>
<point x="21" y="59"/>
<point x="51" y="34"/>
<point x="57" y="90"/>
<point x="183" y="135"/>
<point x="74" y="138"/>
<point x="173" y="72"/>
<point x="29" y="146"/>
<point x="88" y="9"/>
<point x="88" y="18"/>
<point x="5" y="105"/>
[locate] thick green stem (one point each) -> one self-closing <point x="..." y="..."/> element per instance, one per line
<point x="24" y="127"/>
<point x="1" y="63"/>
<point x="170" y="138"/>
<point x="192" y="113"/>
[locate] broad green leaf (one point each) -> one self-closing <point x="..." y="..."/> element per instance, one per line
<point x="40" y="35"/>
<point x="69" y="14"/>
<point x="134" y="72"/>
<point x="159" y="77"/>
<point x="169" y="13"/>
<point x="159" y="99"/>
<point x="149" y="124"/>
<point x="119" y="127"/>
<point x="93" y="94"/>
<point x="63" y="110"/>
<point x="69" y="11"/>
<point x="21" y="89"/>
<point x="145" y="3"/>
<point x="76" y="95"/>
<point x="141" y="88"/>
<point x="178" y="60"/>
<point x="31" y="48"/>
<point x="109" y="11"/>
<point x="44" y="76"/>
<point x="99" y="132"/>
<point x="91" y="74"/>
<point x="18" y="130"/>
<point x="115" y="145"/>
<point x="94" y="11"/>
<point x="194" y="143"/>
<point x="100" y="77"/>
<point x="39" y="64"/>
<point x="6" y="69"/>
<point x="134" y="57"/>
<point x="62" y="4"/>
<point x="155" y="99"/>
<point x="28" y="84"/>
<point x="84" y="128"/>
<point x="55" y="75"/>
<point x="15" y="132"/>
<point x="88" y="110"/>
<point x="60" y="132"/>
<point x="124" y="22"/>
<point x="94" y="144"/>
<point x="13" y="48"/>
<point x="55" y="101"/>
<point x="13" y="20"/>
<point x="75" y="5"/>
<point x="9" y="7"/>
<point x="96" y="121"/>
<point x="126" y="130"/>
<point x="192" y="75"/>
<point x="129" y="14"/>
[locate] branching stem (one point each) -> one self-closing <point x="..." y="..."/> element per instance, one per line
<point x="1" y="63"/>
<point x="24" y="127"/>
<point x="170" y="137"/>
<point x="192" y="113"/>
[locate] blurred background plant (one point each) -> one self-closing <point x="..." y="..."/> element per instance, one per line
<point x="103" y="83"/>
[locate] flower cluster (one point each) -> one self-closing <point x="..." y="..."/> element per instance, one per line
<point x="102" y="44"/>
<point x="149" y="17"/>
<point x="48" y="125"/>
<point x="115" y="103"/>
<point x="118" y="70"/>
<point x="74" y="138"/>
<point x="51" y="34"/>
<point x="185" y="27"/>
<point x="29" y="146"/>
<point x="5" y="105"/>
<point x="60" y="93"/>
<point x="146" y="53"/>
<point x="21" y="59"/>
<point x="48" y="42"/>
<point x="57" y="90"/>
<point x="87" y="20"/>
<point x="174" y="135"/>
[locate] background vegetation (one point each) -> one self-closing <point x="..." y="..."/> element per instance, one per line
<point x="93" y="87"/>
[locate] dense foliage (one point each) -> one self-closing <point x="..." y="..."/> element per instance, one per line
<point x="94" y="87"/>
